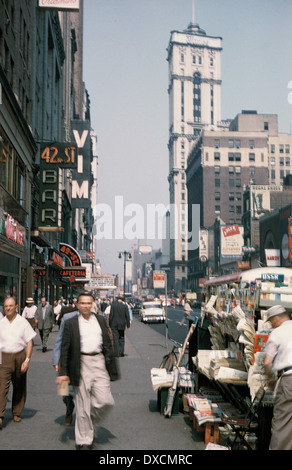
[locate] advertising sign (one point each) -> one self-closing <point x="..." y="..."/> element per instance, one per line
<point x="60" y="4"/>
<point x="159" y="279"/>
<point x="231" y="241"/>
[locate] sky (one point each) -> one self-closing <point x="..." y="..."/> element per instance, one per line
<point x="126" y="74"/>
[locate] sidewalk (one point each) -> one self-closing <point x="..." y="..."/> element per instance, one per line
<point x="135" y="422"/>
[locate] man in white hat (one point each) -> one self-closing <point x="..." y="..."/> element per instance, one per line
<point x="278" y="368"/>
<point x="29" y="311"/>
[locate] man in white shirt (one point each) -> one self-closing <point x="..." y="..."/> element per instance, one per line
<point x="16" y="344"/>
<point x="29" y="311"/>
<point x="278" y="360"/>
<point x="87" y="363"/>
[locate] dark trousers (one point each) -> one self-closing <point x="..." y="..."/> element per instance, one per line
<point x="119" y="341"/>
<point x="10" y="371"/>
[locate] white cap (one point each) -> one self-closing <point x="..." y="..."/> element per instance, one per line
<point x="275" y="310"/>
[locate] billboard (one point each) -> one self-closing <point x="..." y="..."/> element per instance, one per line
<point x="231" y="241"/>
<point x="67" y="5"/>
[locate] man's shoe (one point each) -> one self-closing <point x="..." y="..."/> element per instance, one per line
<point x="16" y="419"/>
<point x="68" y="419"/>
<point x="84" y="447"/>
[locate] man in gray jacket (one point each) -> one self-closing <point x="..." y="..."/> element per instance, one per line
<point x="45" y="321"/>
<point x="119" y="320"/>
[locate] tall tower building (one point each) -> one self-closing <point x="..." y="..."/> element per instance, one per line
<point x="194" y="60"/>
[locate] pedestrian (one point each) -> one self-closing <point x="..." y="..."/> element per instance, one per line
<point x="57" y="311"/>
<point x="45" y="321"/>
<point x="278" y="369"/>
<point x="16" y="342"/>
<point x="29" y="311"/>
<point x="68" y="399"/>
<point x="119" y="320"/>
<point x="87" y="363"/>
<point x="187" y="312"/>
<point x="130" y="308"/>
<point x="67" y="308"/>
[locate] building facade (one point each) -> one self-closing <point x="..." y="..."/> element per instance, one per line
<point x="42" y="92"/>
<point x="194" y="60"/>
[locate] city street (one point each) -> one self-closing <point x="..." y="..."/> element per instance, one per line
<point x="135" y="422"/>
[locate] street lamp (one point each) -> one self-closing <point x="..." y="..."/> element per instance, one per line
<point x="125" y="254"/>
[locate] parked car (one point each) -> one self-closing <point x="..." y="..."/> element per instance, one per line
<point x="152" y="312"/>
<point x="137" y="304"/>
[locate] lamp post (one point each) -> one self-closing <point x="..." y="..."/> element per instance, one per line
<point x="125" y="254"/>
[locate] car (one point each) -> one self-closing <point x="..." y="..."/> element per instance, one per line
<point x="152" y="312"/>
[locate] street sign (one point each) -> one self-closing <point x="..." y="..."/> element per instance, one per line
<point x="159" y="279"/>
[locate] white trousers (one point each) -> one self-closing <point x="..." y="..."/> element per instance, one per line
<point x="93" y="398"/>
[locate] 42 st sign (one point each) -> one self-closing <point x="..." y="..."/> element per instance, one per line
<point x="60" y="154"/>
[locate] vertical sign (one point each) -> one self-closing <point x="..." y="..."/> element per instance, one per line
<point x="82" y="175"/>
<point x="53" y="157"/>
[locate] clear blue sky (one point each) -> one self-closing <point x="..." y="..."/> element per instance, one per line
<point x="126" y="75"/>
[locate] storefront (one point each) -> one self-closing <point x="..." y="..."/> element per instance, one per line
<point x="13" y="252"/>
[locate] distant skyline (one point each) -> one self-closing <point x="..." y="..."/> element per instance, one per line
<point x="126" y="75"/>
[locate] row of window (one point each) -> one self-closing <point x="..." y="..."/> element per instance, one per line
<point x="232" y="210"/>
<point x="282" y="147"/>
<point x="235" y="157"/>
<point x="197" y="59"/>
<point x="236" y="143"/>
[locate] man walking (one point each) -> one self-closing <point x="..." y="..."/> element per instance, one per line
<point x="119" y="320"/>
<point x="45" y="321"/>
<point x="278" y="360"/>
<point x="16" y="344"/>
<point x="29" y="311"/>
<point x="86" y="363"/>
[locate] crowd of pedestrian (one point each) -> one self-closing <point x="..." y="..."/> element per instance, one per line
<point x="91" y="336"/>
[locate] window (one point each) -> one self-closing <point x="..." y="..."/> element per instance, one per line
<point x="266" y="126"/>
<point x="217" y="170"/>
<point x="231" y="170"/>
<point x="217" y="143"/>
<point x="238" y="170"/>
<point x="217" y="183"/>
<point x="237" y="144"/>
<point x="231" y="196"/>
<point x="231" y="157"/>
<point x="238" y="210"/>
<point x="211" y="61"/>
<point x="282" y="174"/>
<point x="251" y="144"/>
<point x="287" y="148"/>
<point x="281" y="148"/>
<point x="252" y="157"/>
<point x="197" y="97"/>
<point x="194" y="59"/>
<point x="272" y="160"/>
<point x="287" y="161"/>
<point x="251" y="171"/>
<point x="272" y="148"/>
<point x="217" y="156"/>
<point x="273" y="174"/>
<point x="231" y="210"/>
<point x="281" y="161"/>
<point x="217" y="209"/>
<point x="238" y="157"/>
<point x="230" y="143"/>
<point x="231" y="183"/>
<point x="217" y="196"/>
<point x="238" y="196"/>
<point x="182" y="58"/>
<point x="238" y="183"/>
